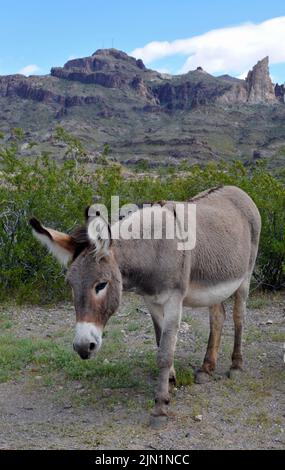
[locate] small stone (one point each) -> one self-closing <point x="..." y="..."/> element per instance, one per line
<point x="38" y="377"/>
<point x="142" y="310"/>
<point x="269" y="322"/>
<point x="184" y="327"/>
<point x="78" y="386"/>
<point x="198" y="418"/>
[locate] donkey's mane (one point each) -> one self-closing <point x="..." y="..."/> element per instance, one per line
<point x="206" y="193"/>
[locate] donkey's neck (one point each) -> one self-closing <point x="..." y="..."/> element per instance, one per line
<point x="149" y="261"/>
<point x="151" y="267"/>
<point x="137" y="273"/>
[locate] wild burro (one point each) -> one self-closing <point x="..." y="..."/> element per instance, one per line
<point x="218" y="266"/>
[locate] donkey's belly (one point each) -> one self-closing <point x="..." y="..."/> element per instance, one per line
<point x="199" y="295"/>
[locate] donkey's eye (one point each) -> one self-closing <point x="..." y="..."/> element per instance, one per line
<point x="100" y="286"/>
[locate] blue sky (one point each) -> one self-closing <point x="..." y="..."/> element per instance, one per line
<point x="38" y="34"/>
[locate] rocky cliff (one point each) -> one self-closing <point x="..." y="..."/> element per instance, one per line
<point x="115" y="69"/>
<point x="258" y="83"/>
<point x="280" y="92"/>
<point x="113" y="98"/>
<point x="109" y="68"/>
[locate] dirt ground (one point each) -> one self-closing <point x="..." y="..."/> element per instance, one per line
<point x="46" y="407"/>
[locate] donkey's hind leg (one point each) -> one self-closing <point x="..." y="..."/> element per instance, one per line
<point x="217" y="318"/>
<point x="239" y="315"/>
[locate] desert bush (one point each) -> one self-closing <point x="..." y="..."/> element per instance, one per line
<point x="57" y="194"/>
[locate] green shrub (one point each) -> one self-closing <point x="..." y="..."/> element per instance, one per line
<point x="57" y="194"/>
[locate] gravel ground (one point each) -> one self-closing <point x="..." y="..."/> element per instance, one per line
<point x="61" y="413"/>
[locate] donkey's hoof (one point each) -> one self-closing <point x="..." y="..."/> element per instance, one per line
<point x="158" y="422"/>
<point x="235" y="374"/>
<point x="202" y="377"/>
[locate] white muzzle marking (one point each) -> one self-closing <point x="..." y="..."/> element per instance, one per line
<point x="87" y="333"/>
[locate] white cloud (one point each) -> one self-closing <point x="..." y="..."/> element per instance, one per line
<point x="29" y="69"/>
<point x="234" y="49"/>
<point x="242" y="76"/>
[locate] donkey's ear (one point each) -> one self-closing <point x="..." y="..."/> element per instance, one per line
<point x="99" y="234"/>
<point x="59" y="244"/>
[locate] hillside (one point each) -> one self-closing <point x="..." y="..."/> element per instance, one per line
<point x="113" y="98"/>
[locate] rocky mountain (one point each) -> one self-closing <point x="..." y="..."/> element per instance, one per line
<point x="113" y="98"/>
<point x="259" y="86"/>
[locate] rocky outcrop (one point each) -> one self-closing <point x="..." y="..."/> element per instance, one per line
<point x="109" y="60"/>
<point x="143" y="90"/>
<point x="256" y="89"/>
<point x="111" y="97"/>
<point x="259" y="85"/>
<point x="146" y="90"/>
<point x="114" y="80"/>
<point x="17" y="85"/>
<point x="106" y="67"/>
<point x="280" y="92"/>
<point x="110" y="68"/>
<point x="198" y="88"/>
<point x="236" y="94"/>
<point x="190" y="92"/>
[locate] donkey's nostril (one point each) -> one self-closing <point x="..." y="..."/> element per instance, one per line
<point x="92" y="346"/>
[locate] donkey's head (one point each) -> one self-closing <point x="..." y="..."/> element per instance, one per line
<point x="93" y="275"/>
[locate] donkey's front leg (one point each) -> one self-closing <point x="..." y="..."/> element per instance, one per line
<point x="166" y="350"/>
<point x="157" y="314"/>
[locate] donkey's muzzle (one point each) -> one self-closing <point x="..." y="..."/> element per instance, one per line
<point x="88" y="339"/>
<point x="83" y="352"/>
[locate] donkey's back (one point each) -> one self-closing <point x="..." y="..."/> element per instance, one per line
<point x="228" y="229"/>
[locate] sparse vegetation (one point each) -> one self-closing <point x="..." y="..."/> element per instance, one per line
<point x="184" y="375"/>
<point x="45" y="357"/>
<point x="58" y="193"/>
<point x="86" y="403"/>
